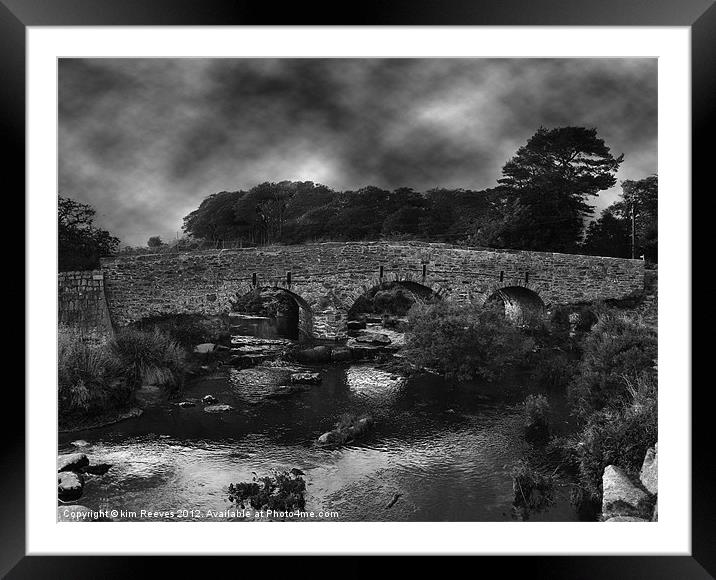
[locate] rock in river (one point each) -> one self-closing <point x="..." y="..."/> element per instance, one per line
<point x="306" y="378"/>
<point x="333" y="438"/>
<point x="97" y="469"/>
<point x="209" y="400"/>
<point x="205" y="348"/>
<point x="374" y="338"/>
<point x="73" y="513"/>
<point x="69" y="486"/>
<point x="218" y="408"/>
<point x="317" y="354"/>
<point x="355" y="324"/>
<point x="341" y="354"/>
<point x="72" y="462"/>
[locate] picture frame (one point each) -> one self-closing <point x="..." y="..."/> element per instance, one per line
<point x="700" y="16"/>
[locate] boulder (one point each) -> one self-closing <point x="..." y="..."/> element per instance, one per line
<point x="97" y="469"/>
<point x="624" y="519"/>
<point x="360" y="426"/>
<point x="355" y="325"/>
<point x="72" y="462"/>
<point x="80" y="443"/>
<point x="69" y="485"/>
<point x="306" y="378"/>
<point x="621" y="497"/>
<point x="149" y="396"/>
<point x="73" y="513"/>
<point x="218" y="408"/>
<point x="333" y="438"/>
<point x="205" y="348"/>
<point x="341" y="354"/>
<point x="649" y="473"/>
<point x="374" y="338"/>
<point x="185" y="404"/>
<point x="317" y="354"/>
<point x="209" y="400"/>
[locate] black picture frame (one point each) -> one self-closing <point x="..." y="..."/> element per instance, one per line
<point x="16" y="15"/>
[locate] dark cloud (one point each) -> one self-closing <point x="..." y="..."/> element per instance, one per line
<point x="145" y="140"/>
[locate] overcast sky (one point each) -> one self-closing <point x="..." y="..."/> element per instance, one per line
<point x="145" y="140"/>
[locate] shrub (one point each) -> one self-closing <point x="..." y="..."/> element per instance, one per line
<point x="149" y="358"/>
<point x="619" y="346"/>
<point x="551" y="369"/>
<point x="285" y="491"/>
<point x="89" y="377"/>
<point x="532" y="489"/>
<point x="577" y="317"/>
<point x="537" y="412"/>
<point x="395" y="300"/>
<point x="618" y="436"/>
<point x="464" y="342"/>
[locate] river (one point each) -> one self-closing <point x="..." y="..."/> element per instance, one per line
<point x="446" y="448"/>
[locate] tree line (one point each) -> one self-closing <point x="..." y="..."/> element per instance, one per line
<point x="541" y="202"/>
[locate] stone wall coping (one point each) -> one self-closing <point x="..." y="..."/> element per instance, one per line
<point x="402" y="244"/>
<point x="80" y="273"/>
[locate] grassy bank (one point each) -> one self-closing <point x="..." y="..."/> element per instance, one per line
<point x="99" y="380"/>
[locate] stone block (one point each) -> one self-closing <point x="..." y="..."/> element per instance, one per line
<point x="621" y="497"/>
<point x="649" y="474"/>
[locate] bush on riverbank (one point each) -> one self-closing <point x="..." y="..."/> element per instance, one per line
<point x="96" y="379"/>
<point x="89" y="378"/>
<point x="617" y="435"/>
<point x="285" y="491"/>
<point x="464" y="342"/>
<point x="149" y="358"/>
<point x="618" y="346"/>
<point x="537" y="413"/>
<point x="532" y="489"/>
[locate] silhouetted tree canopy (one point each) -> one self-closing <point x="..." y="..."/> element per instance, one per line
<point x="545" y="190"/>
<point x="541" y="203"/>
<point x="80" y="243"/>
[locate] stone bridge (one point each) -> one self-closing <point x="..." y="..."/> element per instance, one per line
<point x="326" y="279"/>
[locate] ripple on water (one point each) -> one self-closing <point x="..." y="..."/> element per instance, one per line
<point x="446" y="451"/>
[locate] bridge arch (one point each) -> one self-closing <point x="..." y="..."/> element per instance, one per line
<point x="411" y="291"/>
<point x="300" y="316"/>
<point x="521" y="304"/>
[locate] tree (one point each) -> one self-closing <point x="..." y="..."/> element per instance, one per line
<point x="546" y="187"/>
<point x="639" y="206"/>
<point x="608" y="236"/>
<point x="80" y="243"/>
<point x="155" y="242"/>
<point x="215" y="219"/>
<point x="628" y="227"/>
